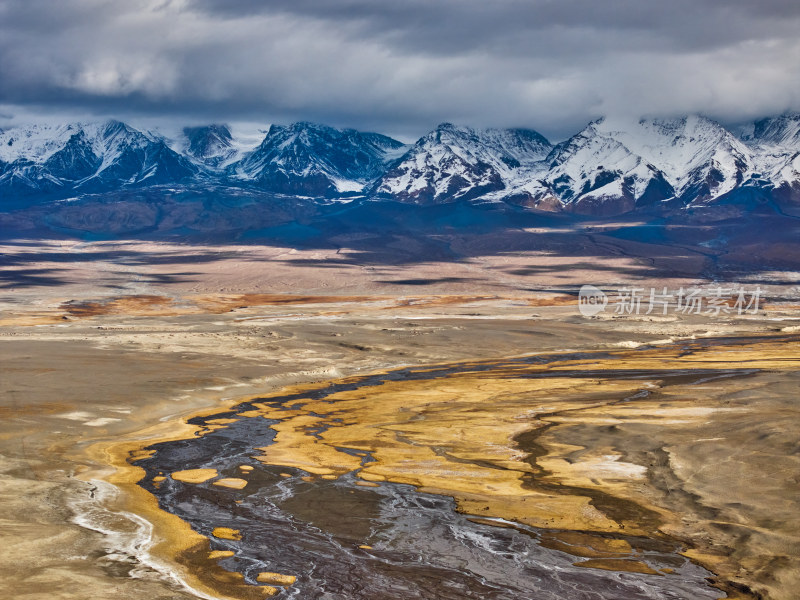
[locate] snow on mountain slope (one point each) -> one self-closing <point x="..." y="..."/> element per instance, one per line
<point x="614" y="166"/>
<point x="45" y="158"/>
<point x="34" y="143"/>
<point x="214" y="146"/>
<point x="775" y="144"/>
<point x="452" y="163"/>
<point x="594" y="173"/>
<point x="316" y="160"/>
<point x="783" y="131"/>
<point x="85" y="157"/>
<point x="699" y="158"/>
<point x="210" y="144"/>
<point x="131" y="157"/>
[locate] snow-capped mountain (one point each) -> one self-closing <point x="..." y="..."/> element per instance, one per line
<point x="775" y="144"/>
<point x="212" y="145"/>
<point x="700" y="159"/>
<point x="132" y="157"/>
<point x="213" y="148"/>
<point x="614" y="166"/>
<point x="315" y="160"/>
<point x="453" y="163"/>
<point x="86" y="157"/>
<point x="783" y="131"/>
<point x="595" y="173"/>
<point x="610" y="167"/>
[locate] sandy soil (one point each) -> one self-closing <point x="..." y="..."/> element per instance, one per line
<point x="102" y="349"/>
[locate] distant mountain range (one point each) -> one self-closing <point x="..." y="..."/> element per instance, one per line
<point x="608" y="168"/>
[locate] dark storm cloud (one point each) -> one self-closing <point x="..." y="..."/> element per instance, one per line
<point x="402" y="66"/>
<point x="451" y="26"/>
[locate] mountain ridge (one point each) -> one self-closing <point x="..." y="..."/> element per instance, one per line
<point x="612" y="166"/>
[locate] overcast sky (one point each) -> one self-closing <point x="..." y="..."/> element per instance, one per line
<point x="400" y="66"/>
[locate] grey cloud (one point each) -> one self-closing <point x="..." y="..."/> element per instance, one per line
<point x="401" y="67"/>
<point x="511" y="25"/>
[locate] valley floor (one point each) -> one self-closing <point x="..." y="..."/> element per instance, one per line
<point x="107" y="347"/>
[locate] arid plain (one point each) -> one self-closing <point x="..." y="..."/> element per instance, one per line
<point x="632" y="435"/>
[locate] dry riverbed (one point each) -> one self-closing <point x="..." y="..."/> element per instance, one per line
<point x="710" y="463"/>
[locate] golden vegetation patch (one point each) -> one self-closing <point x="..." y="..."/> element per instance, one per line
<point x="276" y="578"/>
<point x="231" y="482"/>
<point x="618" y="564"/>
<point x="226" y="533"/>
<point x="587" y="545"/>
<point x="194" y="475"/>
<point x="451" y="436"/>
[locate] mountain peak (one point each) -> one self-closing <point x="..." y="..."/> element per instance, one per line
<point x="220" y="130"/>
<point x="93" y="156"/>
<point x="451" y="163"/>
<point x="210" y="144"/>
<point x="113" y="127"/>
<point x="311" y="125"/>
<point x="306" y="127"/>
<point x="699" y="158"/>
<point x="316" y="160"/>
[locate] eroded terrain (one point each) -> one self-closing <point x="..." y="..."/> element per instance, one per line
<point x="622" y="445"/>
<point x="611" y="456"/>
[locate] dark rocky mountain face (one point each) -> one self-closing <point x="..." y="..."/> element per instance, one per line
<point x="132" y="158"/>
<point x="75" y="161"/>
<point x="81" y="158"/>
<point x="210" y="144"/>
<point x="314" y="160"/>
<point x="783" y="130"/>
<point x="776" y="145"/>
<point x="24" y="180"/>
